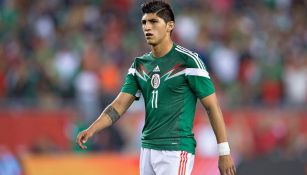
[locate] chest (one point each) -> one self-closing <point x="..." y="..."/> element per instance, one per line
<point x="162" y="75"/>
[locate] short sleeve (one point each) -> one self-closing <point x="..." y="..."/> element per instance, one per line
<point x="131" y="86"/>
<point x="198" y="77"/>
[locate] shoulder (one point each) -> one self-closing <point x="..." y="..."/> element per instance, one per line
<point x="191" y="58"/>
<point x="143" y="57"/>
<point x="140" y="58"/>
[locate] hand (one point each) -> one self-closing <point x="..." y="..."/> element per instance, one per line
<point x="226" y="165"/>
<point x="82" y="138"/>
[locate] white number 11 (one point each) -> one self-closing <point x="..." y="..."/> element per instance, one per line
<point x="154" y="101"/>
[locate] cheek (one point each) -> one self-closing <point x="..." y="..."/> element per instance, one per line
<point x="161" y="30"/>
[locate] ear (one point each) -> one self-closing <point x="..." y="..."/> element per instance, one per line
<point x="170" y="26"/>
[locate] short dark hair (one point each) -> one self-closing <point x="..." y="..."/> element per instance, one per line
<point x="161" y="8"/>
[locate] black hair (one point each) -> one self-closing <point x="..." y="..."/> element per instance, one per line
<point x="161" y="8"/>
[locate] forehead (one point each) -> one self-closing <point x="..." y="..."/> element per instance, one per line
<point x="150" y="16"/>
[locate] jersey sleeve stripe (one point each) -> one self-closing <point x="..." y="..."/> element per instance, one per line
<point x="198" y="65"/>
<point x="194" y="54"/>
<point x="196" y="72"/>
<point x="131" y="71"/>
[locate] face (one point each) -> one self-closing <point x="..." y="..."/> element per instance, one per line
<point x="155" y="29"/>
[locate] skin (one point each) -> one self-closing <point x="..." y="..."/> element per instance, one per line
<point x="121" y="103"/>
<point x="226" y="164"/>
<point x="157" y="33"/>
<point x="160" y="39"/>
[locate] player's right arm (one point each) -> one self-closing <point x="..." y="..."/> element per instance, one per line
<point x="117" y="108"/>
<point x="108" y="117"/>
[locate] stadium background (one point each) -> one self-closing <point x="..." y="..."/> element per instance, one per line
<point x="62" y="62"/>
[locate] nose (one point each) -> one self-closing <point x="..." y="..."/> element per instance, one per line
<point x="146" y="27"/>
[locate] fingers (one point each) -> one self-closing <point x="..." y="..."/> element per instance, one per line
<point x="228" y="171"/>
<point x="233" y="170"/>
<point x="226" y="166"/>
<point x="81" y="140"/>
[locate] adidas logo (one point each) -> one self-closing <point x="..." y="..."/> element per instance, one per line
<point x="156" y="69"/>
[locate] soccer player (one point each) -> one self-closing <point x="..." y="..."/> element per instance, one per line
<point x="170" y="78"/>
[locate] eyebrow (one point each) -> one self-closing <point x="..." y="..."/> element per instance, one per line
<point x="150" y="20"/>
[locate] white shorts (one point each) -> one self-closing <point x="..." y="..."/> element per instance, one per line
<point x="155" y="162"/>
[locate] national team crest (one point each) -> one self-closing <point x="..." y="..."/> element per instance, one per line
<point x="155" y="81"/>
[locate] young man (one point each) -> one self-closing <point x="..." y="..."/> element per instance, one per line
<point x="170" y="78"/>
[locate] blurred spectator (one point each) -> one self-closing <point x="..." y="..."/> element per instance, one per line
<point x="187" y="29"/>
<point x="110" y="81"/>
<point x="87" y="88"/>
<point x="9" y="165"/>
<point x="44" y="27"/>
<point x="21" y="82"/>
<point x="249" y="79"/>
<point x="66" y="64"/>
<point x="295" y="81"/>
<point x="225" y="63"/>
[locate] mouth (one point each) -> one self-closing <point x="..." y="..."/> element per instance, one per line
<point x="148" y="34"/>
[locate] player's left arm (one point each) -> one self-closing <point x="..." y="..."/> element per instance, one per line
<point x="226" y="164"/>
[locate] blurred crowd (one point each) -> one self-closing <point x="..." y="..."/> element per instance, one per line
<point x="55" y="53"/>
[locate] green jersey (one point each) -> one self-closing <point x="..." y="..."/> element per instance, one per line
<point x="170" y="86"/>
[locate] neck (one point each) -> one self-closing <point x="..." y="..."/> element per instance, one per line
<point x="162" y="48"/>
